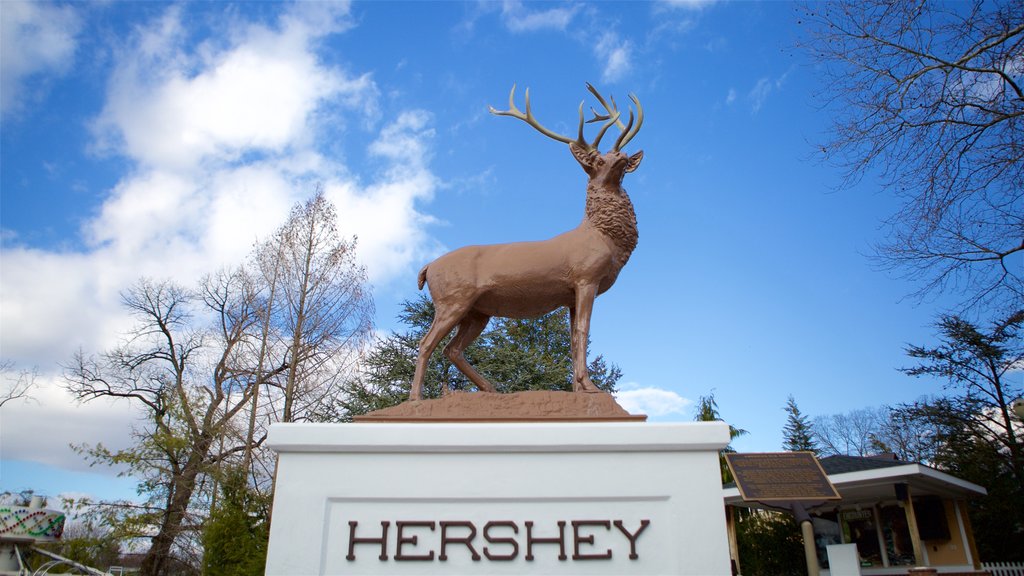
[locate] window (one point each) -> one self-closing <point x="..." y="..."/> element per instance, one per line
<point x="826" y="532"/>
<point x="898" y="546"/>
<point x="859" y="528"/>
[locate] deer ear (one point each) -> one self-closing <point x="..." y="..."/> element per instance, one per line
<point x="583" y="155"/>
<point x="634" y="161"/>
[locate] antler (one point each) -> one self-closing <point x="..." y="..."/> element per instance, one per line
<point x="612" y="118"/>
<point x="628" y="132"/>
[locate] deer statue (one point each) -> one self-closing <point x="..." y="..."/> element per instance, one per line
<point x="529" y="279"/>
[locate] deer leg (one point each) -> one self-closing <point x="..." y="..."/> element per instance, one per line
<point x="444" y="321"/>
<point x="572" y="340"/>
<point x="580" y="318"/>
<point x="470" y="327"/>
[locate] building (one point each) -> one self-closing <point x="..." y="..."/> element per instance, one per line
<point x="899" y="514"/>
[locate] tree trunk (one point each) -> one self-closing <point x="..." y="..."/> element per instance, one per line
<point x="157" y="559"/>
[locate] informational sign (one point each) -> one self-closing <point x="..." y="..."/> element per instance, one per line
<point x="780" y="476"/>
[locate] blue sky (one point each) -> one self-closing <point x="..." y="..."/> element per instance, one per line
<point x="159" y="139"/>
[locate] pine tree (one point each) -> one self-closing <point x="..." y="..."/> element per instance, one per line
<point x="707" y="411"/>
<point x="798" y="433"/>
<point x="516" y="355"/>
<point x="236" y="534"/>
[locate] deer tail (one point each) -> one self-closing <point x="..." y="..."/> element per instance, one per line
<point x="422" y="278"/>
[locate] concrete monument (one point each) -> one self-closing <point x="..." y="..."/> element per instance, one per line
<point x="504" y="498"/>
<point x="529" y="279"/>
<point x="539" y="482"/>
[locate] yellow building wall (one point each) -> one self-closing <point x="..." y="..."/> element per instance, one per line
<point x="970" y="533"/>
<point x="948" y="552"/>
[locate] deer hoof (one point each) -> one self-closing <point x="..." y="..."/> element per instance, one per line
<point x="586" y="386"/>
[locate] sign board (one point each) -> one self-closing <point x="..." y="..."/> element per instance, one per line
<point x="780" y="476"/>
<point x="612" y="498"/>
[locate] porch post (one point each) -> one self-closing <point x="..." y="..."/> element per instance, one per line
<point x="810" y="552"/>
<point x="877" y="512"/>
<point x="915" y="535"/>
<point x="734" y="545"/>
<point x="807" y="531"/>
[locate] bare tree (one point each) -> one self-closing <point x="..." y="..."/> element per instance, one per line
<point x="876" y="430"/>
<point x="14" y="386"/>
<point x="264" y="359"/>
<point x="929" y="95"/>
<point x="910" y="439"/>
<point x="182" y="377"/>
<point x="848" y="434"/>
<point x="320" y="303"/>
<point x="211" y="367"/>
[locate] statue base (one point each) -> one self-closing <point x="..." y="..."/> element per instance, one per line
<point x="532" y="406"/>
<point x="498" y="498"/>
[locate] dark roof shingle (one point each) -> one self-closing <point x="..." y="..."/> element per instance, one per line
<point x="841" y="464"/>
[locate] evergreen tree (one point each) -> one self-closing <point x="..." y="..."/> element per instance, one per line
<point x="707" y="411"/>
<point x="770" y="544"/>
<point x="979" y="369"/>
<point x="236" y="534"/>
<point x="514" y="354"/>
<point x="977" y="437"/>
<point x="798" y="433"/>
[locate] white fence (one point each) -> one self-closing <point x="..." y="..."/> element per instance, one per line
<point x="1003" y="568"/>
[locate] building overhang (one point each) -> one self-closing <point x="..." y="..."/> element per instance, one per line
<point x="877" y="485"/>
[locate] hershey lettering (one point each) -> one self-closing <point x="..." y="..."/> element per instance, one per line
<point x="499" y="540"/>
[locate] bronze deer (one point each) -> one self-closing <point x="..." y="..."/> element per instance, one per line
<point x="529" y="279"/>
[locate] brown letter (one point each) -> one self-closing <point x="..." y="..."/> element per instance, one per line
<point x="399" y="525"/>
<point x="632" y="537"/>
<point x="352" y="540"/>
<point x="560" y="540"/>
<point x="468" y="540"/>
<point x="576" y="539"/>
<point x="512" y="541"/>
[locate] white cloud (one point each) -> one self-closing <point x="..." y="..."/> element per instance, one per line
<point x="392" y="233"/>
<point x="315" y="19"/>
<point x="52" y="303"/>
<point x="35" y="38"/>
<point x="653" y="402"/>
<point x="765" y="86"/>
<point x="258" y="95"/>
<point x="518" y="19"/>
<point x="759" y="93"/>
<point x="43" y="431"/>
<point x="731" y="96"/>
<point x="989" y="86"/>
<point x="224" y="137"/>
<point x="687" y="4"/>
<point x="615" y="55"/>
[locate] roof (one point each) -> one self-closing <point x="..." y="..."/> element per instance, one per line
<point x="839" y="464"/>
<point x="871" y="479"/>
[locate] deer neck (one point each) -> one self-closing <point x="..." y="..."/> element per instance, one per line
<point x="610" y="211"/>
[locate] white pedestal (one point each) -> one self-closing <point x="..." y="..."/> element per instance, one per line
<point x="509" y="498"/>
<point x="843" y="560"/>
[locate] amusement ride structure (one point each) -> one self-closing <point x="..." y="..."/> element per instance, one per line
<point x="21" y="529"/>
